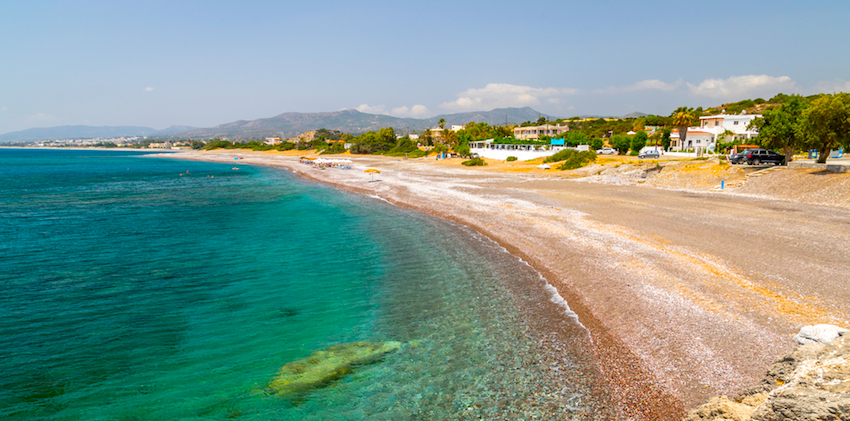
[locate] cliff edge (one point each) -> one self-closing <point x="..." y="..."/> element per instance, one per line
<point x="810" y="383"/>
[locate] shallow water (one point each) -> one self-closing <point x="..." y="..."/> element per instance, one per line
<point x="130" y="291"/>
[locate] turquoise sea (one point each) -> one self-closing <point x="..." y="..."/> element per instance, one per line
<point x="144" y="288"/>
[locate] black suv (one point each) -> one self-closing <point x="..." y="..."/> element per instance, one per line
<point x="740" y="157"/>
<point x="759" y="156"/>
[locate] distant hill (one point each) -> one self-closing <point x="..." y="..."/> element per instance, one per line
<point x="284" y="125"/>
<point x="172" y="130"/>
<point x="351" y="121"/>
<point x="635" y="114"/>
<point x="76" y="132"/>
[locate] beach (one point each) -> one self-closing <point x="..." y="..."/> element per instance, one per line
<point x="686" y="292"/>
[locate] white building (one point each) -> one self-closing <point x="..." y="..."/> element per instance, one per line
<point x="534" y="132"/>
<point x="712" y="128"/>
<point x="488" y="149"/>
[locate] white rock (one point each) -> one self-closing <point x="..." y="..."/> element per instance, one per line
<point x="819" y="333"/>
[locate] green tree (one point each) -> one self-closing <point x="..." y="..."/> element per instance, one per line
<point x="621" y="143"/>
<point x="826" y="124"/>
<point x="427" y="138"/>
<point x="442" y="123"/>
<point x="638" y="141"/>
<point x="682" y="119"/>
<point x="665" y="138"/>
<point x="449" y="138"/>
<point x="781" y="127"/>
<point x="597" y="143"/>
<point x="463" y="138"/>
<point x="575" y="138"/>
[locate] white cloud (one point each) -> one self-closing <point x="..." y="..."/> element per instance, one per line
<point x="365" y="108"/>
<point x="497" y="95"/>
<point x="642" y="85"/>
<point x="416" y="111"/>
<point x="737" y="87"/>
<point x="149" y="88"/>
<point x="832" y="86"/>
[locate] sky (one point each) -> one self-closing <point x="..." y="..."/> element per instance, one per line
<point x="204" y="63"/>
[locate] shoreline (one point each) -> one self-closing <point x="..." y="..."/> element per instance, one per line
<point x="660" y="381"/>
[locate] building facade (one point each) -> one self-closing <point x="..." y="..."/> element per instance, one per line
<point x="723" y="127"/>
<point x="534" y="132"/>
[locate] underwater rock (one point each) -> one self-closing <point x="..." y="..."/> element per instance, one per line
<point x="326" y="365"/>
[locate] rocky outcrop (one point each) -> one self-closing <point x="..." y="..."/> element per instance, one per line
<point x="822" y="334"/>
<point x="810" y="383"/>
<point x="324" y="366"/>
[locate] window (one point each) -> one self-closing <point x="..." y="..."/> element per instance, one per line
<point x="736" y="122"/>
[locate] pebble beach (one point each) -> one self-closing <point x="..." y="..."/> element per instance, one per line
<point x="687" y="293"/>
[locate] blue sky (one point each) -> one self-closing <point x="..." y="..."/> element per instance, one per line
<point x="163" y="63"/>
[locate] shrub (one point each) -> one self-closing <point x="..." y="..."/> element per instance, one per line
<point x="419" y="153"/>
<point x="334" y="148"/>
<point x="578" y="160"/>
<point x="560" y="156"/>
<point x="511" y="159"/>
<point x="477" y="162"/>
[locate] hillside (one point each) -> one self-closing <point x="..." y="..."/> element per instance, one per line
<point x="350" y="121"/>
<point x="76" y="132"/>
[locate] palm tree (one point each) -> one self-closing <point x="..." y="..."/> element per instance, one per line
<point x="442" y="123"/>
<point x="682" y="119"/>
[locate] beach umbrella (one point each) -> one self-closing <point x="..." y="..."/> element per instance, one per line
<point x="372" y="172"/>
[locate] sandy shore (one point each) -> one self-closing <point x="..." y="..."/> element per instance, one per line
<point x="687" y="294"/>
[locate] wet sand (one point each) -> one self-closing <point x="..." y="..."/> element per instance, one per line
<point x="686" y="294"/>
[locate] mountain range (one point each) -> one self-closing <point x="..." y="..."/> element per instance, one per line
<point x="284" y="125"/>
<point x="352" y="121"/>
<point x="88" y="132"/>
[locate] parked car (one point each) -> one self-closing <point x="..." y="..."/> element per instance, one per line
<point x="606" y="151"/>
<point x="740" y="157"/>
<point x="759" y="156"/>
<point x="652" y="153"/>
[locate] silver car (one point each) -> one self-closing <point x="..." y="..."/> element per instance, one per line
<point x="652" y="153"/>
<point x="606" y="151"/>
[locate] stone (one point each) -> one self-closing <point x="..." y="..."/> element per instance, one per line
<point x="810" y="383"/>
<point x="324" y="366"/>
<point x="823" y="334"/>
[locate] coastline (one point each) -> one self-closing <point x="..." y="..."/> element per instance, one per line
<point x="672" y="322"/>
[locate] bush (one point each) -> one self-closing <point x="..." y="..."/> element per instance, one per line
<point x="511" y="159"/>
<point x="335" y="148"/>
<point x="597" y="143"/>
<point x="419" y="153"/>
<point x="477" y="162"/>
<point x="578" y="160"/>
<point x="560" y="156"/>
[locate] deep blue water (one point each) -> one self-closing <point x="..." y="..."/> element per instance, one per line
<point x="139" y="288"/>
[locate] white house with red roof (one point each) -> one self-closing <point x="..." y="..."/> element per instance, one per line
<point x="714" y="127"/>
